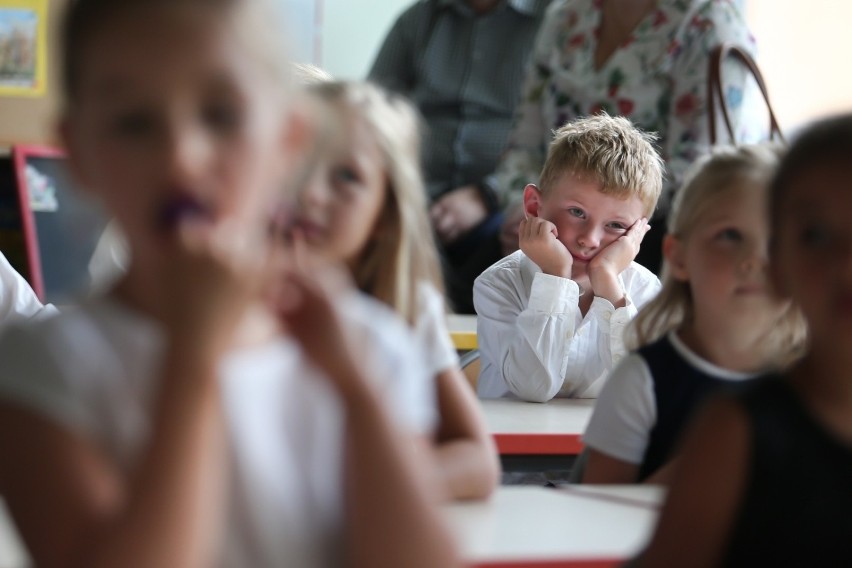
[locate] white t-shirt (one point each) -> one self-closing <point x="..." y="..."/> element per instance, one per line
<point x="626" y="410"/>
<point x="17" y="299"/>
<point x="431" y="333"/>
<point x="534" y="341"/>
<point x="92" y="370"/>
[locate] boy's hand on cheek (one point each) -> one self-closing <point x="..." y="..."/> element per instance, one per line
<point x="538" y="241"/>
<point x="613" y="260"/>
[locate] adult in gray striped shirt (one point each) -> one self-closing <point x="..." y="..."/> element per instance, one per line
<point x="462" y="62"/>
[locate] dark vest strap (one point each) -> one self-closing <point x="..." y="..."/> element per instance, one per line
<point x="679" y="389"/>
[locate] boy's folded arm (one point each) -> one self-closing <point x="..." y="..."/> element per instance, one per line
<point x="612" y="322"/>
<point x="533" y="362"/>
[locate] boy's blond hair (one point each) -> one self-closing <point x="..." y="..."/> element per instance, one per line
<point x="610" y="150"/>
<point x="711" y="179"/>
<point x="403" y="254"/>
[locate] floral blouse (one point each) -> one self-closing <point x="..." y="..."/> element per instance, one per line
<point x="657" y="78"/>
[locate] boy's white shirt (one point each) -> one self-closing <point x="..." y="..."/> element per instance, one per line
<point x="17" y="299"/>
<point x="626" y="410"/>
<point x="92" y="370"/>
<point x="534" y="342"/>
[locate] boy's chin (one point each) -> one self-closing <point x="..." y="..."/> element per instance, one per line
<point x="581" y="277"/>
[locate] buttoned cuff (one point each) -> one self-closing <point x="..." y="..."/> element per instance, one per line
<point x="554" y="294"/>
<point x="608" y="315"/>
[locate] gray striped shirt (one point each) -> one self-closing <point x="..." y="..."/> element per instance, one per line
<point x="464" y="72"/>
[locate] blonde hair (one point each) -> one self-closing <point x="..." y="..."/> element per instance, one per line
<point x="710" y="179"/>
<point x="403" y="254"/>
<point x="307" y="74"/>
<point x="612" y="151"/>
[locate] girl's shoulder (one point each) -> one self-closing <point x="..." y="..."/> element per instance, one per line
<point x="77" y="334"/>
<point x="392" y="352"/>
<point x="72" y="366"/>
<point x="429" y="298"/>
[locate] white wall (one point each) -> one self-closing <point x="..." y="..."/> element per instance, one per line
<point x="804" y="49"/>
<point x="352" y="31"/>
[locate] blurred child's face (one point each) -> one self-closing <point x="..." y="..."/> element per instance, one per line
<point x="724" y="258"/>
<point x="340" y="206"/>
<point x="171" y="109"/>
<point x="812" y="260"/>
<point x="586" y="219"/>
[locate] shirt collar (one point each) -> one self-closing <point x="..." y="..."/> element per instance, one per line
<point x="527" y="7"/>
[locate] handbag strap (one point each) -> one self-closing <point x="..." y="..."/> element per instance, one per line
<point x="715" y="90"/>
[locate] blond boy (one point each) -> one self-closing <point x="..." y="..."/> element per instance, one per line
<point x="552" y="315"/>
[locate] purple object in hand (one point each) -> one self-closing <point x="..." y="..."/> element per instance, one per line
<point x="178" y="208"/>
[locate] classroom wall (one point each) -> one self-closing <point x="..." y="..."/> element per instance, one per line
<point x="803" y="54"/>
<point x="345" y="41"/>
<point x="352" y="32"/>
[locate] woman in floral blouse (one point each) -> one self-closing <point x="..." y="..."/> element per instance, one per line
<point x="643" y="59"/>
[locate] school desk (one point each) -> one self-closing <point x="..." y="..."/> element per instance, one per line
<point x="537" y="437"/>
<point x="537" y="527"/>
<point x="531" y="428"/>
<point x="463" y="331"/>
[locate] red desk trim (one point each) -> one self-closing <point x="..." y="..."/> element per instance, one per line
<point x="539" y="444"/>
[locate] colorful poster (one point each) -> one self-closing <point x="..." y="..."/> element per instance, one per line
<point x="23" y="47"/>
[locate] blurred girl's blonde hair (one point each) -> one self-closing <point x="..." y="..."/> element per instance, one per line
<point x="714" y="177"/>
<point x="403" y="254"/>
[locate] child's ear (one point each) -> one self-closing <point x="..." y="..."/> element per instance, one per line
<point x="532" y="200"/>
<point x="675" y="254"/>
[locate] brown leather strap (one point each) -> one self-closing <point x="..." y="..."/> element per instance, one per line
<point x="715" y="90"/>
